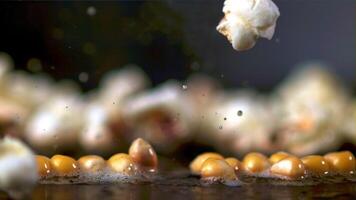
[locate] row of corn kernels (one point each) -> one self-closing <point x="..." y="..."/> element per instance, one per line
<point x="140" y="158"/>
<point x="280" y="165"/>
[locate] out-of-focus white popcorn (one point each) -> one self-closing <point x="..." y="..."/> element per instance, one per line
<point x="6" y="64"/>
<point x="97" y="135"/>
<point x="118" y="85"/>
<point x="18" y="170"/>
<point x="55" y="124"/>
<point x="311" y="106"/>
<point x="161" y="116"/>
<point x="240" y="122"/>
<point x="247" y="20"/>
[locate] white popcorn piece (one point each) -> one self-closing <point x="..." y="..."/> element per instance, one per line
<point x="18" y="170"/>
<point x="247" y="20"/>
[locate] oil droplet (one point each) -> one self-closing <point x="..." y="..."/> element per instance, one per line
<point x="184" y="87"/>
<point x="239" y="113"/>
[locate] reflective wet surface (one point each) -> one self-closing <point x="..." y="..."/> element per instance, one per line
<point x="190" y="188"/>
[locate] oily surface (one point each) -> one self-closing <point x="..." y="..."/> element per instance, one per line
<point x="182" y="185"/>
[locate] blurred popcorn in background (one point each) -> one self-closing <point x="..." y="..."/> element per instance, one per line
<point x="311" y="106"/>
<point x="310" y="112"/>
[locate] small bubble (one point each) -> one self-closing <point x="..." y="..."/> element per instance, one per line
<point x="184" y="87"/>
<point x="220" y="127"/>
<point x="239" y="113"/>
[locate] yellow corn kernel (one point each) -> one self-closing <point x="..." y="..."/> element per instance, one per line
<point x="197" y="163"/>
<point x="255" y="162"/>
<point x="122" y="163"/>
<point x="276" y="157"/>
<point x="143" y="154"/>
<point x="341" y="162"/>
<point x="218" y="168"/>
<point x="291" y="167"/>
<point x="316" y="164"/>
<point x="64" y="165"/>
<point x="234" y="163"/>
<point x="92" y="163"/>
<point x="44" y="166"/>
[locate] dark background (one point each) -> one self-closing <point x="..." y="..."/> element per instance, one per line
<point x="174" y="38"/>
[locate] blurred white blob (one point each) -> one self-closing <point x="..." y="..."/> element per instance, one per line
<point x="83" y="77"/>
<point x="118" y="85"/>
<point x="18" y="170"/>
<point x="54" y="126"/>
<point x="161" y="116"/>
<point x="91" y="11"/>
<point x="247" y="20"/>
<point x="311" y="106"/>
<point x="96" y="135"/>
<point x="6" y="64"/>
<point x="230" y="132"/>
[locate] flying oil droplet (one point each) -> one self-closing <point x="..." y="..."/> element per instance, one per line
<point x="184" y="87"/>
<point x="239" y="113"/>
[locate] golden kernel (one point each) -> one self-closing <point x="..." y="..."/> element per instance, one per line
<point x="316" y="164"/>
<point x="64" y="165"/>
<point x="122" y="163"/>
<point x="291" y="167"/>
<point x="218" y="168"/>
<point x="92" y="163"/>
<point x="255" y="162"/>
<point x="197" y="163"/>
<point x="341" y="162"/>
<point x="143" y="154"/>
<point x="44" y="166"/>
<point x="276" y="157"/>
<point x="234" y="163"/>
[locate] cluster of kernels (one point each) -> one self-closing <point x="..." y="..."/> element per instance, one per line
<point x="196" y="165"/>
<point x="315" y="164"/>
<point x="280" y="165"/>
<point x="291" y="167"/>
<point x="341" y="162"/>
<point x="141" y="157"/>
<point x="255" y="163"/>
